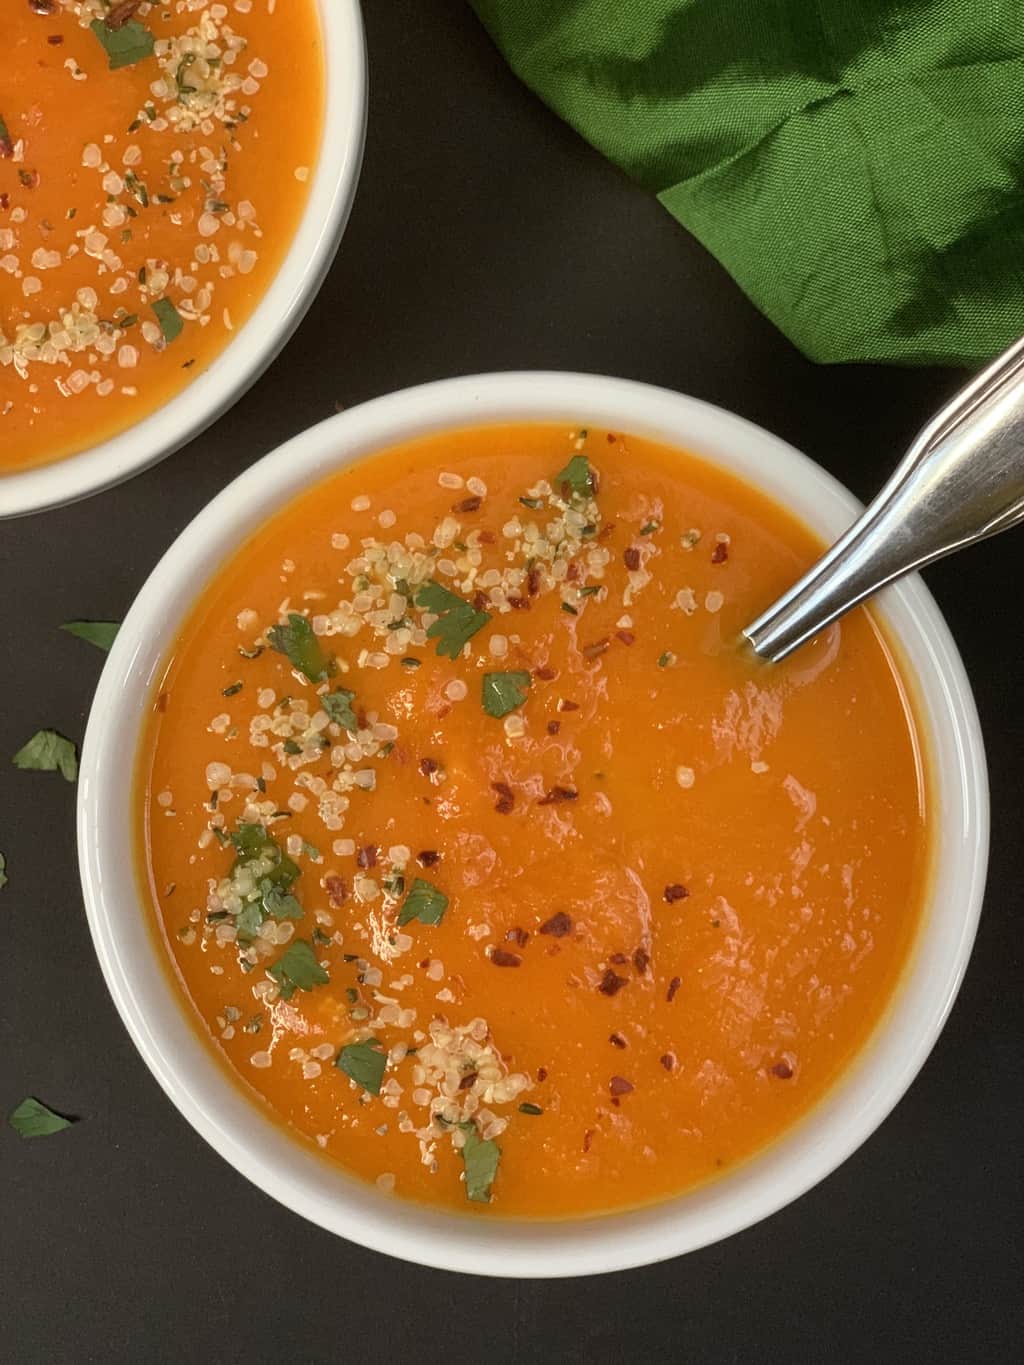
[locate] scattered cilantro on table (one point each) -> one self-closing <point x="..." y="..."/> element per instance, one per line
<point x="48" y="752"/>
<point x="32" y="1119"/>
<point x="102" y="634"/>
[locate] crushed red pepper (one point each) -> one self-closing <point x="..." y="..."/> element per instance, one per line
<point x="506" y="799"/>
<point x="557" y="926"/>
<point x="611" y="983"/>
<point x="502" y="958"/>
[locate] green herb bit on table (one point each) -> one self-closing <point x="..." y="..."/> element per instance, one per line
<point x="48" y="752"/>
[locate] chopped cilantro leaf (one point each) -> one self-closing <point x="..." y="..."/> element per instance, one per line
<point x="650" y="528"/>
<point x="32" y="1119"/>
<point x="503" y="692"/>
<point x="170" y="320"/>
<point x="457" y="620"/>
<point x="298" y="968"/>
<point x="578" y="476"/>
<point x="277" y="903"/>
<point x="298" y="641"/>
<point x="101" y="634"/>
<point x="365" y="1063"/>
<point x="248" y="921"/>
<point x="124" y="46"/>
<point x="338" y="705"/>
<point x="49" y="752"/>
<point x="424" y="902"/>
<point x="481" y="1161"/>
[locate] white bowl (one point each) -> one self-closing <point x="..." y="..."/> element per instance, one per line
<point x="157" y="1015"/>
<point x="275" y="318"/>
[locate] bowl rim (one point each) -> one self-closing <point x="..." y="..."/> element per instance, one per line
<point x="270" y="325"/>
<point x="284" y="1166"/>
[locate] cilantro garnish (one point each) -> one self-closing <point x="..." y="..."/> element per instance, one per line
<point x="481" y="1159"/>
<point x="124" y="46"/>
<point x="424" y="902"/>
<point x="365" y="1063"/>
<point x="99" y="633"/>
<point x="298" y="968"/>
<point x="338" y="705"/>
<point x="277" y="903"/>
<point x="32" y="1119"/>
<point x="252" y="842"/>
<point x="457" y="620"/>
<point x="298" y="641"/>
<point x="578" y="475"/>
<point x="170" y="320"/>
<point x="48" y="752"/>
<point x="503" y="692"/>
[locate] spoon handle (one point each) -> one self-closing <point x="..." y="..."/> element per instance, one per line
<point x="961" y="480"/>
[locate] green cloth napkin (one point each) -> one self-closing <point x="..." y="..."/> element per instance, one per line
<point x="856" y="165"/>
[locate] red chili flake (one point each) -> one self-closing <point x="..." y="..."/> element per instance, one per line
<point x="557" y="926"/>
<point x="545" y="674"/>
<point x="606" y="530"/>
<point x="673" y="986"/>
<point x="428" y="766"/>
<point x="619" y="959"/>
<point x="55" y="39"/>
<point x="367" y="857"/>
<point x="50" y="6"/>
<point x="485" y="537"/>
<point x="467" y="1080"/>
<point x="119" y="15"/>
<point x="611" y="983"/>
<point x="564" y="705"/>
<point x="428" y="857"/>
<point x="675" y="892"/>
<point x="161" y="701"/>
<point x="337" y="891"/>
<point x="618" y="1085"/>
<point x="519" y="603"/>
<point x="596" y="649"/>
<point x="467" y="505"/>
<point x="554" y="726"/>
<point x="5" y="200"/>
<point x="668" y="1061"/>
<point x="641" y="961"/>
<point x="501" y="958"/>
<point x="616" y="1040"/>
<point x="783" y="1070"/>
<point x="533" y="582"/>
<point x="631" y="557"/>
<point x="425" y="963"/>
<point x="626" y="636"/>
<point x="555" y="795"/>
<point x="519" y="936"/>
<point x="542" y="1073"/>
<point x="481" y="601"/>
<point x="720" y="553"/>
<point x="611" y="438"/>
<point x="572" y="571"/>
<point x="588" y="1138"/>
<point x="506" y="799"/>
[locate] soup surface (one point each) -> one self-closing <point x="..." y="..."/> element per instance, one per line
<point x="487" y="859"/>
<point x="144" y="209"/>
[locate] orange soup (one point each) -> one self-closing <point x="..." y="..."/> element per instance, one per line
<point x="488" y="860"/>
<point x="154" y="164"/>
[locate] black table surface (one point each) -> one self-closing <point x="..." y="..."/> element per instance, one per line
<point x="485" y="236"/>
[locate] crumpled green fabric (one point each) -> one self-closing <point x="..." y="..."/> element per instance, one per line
<point x="856" y="165"/>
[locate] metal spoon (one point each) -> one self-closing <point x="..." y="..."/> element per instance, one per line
<point x="961" y="480"/>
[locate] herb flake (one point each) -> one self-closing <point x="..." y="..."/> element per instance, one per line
<point x="424" y="903"/>
<point x="171" y="322"/>
<point x="299" y="643"/>
<point x="481" y="1159"/>
<point x="48" y="752"/>
<point x="338" y="705"/>
<point x="503" y="692"/>
<point x="32" y="1119"/>
<point x="364" y="1063"/>
<point x="298" y="968"/>
<point x="457" y="620"/>
<point x="124" y="46"/>
<point x="577" y="476"/>
<point x="102" y="634"/>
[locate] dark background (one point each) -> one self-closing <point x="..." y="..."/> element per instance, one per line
<point x="485" y="236"/>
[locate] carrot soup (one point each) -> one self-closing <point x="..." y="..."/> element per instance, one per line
<point x="154" y="165"/>
<point x="489" y="861"/>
